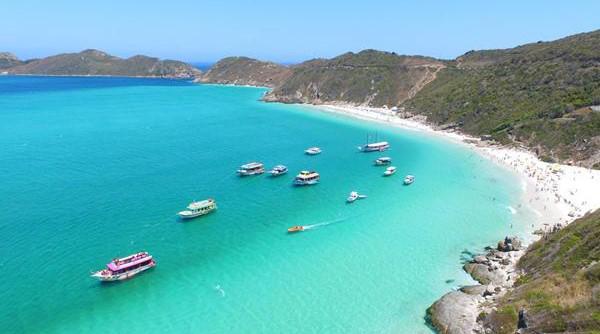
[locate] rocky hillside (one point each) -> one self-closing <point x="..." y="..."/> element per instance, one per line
<point x="543" y="95"/>
<point x="246" y="71"/>
<point x="94" y="62"/>
<point x="369" y="77"/>
<point x="560" y="291"/>
<point x="8" y="59"/>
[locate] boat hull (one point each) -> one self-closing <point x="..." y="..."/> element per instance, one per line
<point x="305" y="183"/>
<point x="122" y="276"/>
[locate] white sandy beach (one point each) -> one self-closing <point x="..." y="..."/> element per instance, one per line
<point x="555" y="193"/>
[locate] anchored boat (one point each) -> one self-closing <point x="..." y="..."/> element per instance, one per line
<point x="306" y="178"/>
<point x="409" y="179"/>
<point x="197" y="209"/>
<point x="312" y="151"/>
<point x="253" y="168"/>
<point x="126" y="267"/>
<point x="389" y="171"/>
<point x="383" y="161"/>
<point x="278" y="170"/>
<point x="374" y="147"/>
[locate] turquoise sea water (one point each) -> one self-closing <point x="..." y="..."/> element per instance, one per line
<point x="94" y="168"/>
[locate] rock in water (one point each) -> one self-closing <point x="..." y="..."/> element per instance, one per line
<point x="455" y="313"/>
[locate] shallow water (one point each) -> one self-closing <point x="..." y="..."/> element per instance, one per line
<point x="94" y="168"/>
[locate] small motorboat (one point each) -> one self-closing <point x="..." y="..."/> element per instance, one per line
<point x="354" y="196"/>
<point x="383" y="161"/>
<point x="296" y="228"/>
<point x="278" y="170"/>
<point x="389" y="171"/>
<point x="312" y="151"/>
<point x="409" y="179"/>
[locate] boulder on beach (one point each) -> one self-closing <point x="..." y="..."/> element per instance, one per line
<point x="482" y="274"/>
<point x="455" y="313"/>
<point x="509" y="244"/>
<point x="474" y="290"/>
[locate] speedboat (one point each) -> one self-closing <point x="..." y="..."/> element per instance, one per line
<point x="354" y="196"/>
<point x="197" y="209"/>
<point x="312" y="151"/>
<point x="409" y="179"/>
<point x="296" y="228"/>
<point x="306" y="178"/>
<point x="389" y="171"/>
<point x="126" y="267"/>
<point x="383" y="161"/>
<point x="278" y="170"/>
<point x="253" y="168"/>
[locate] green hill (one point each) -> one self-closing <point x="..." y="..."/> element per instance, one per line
<point x="537" y="94"/>
<point x="561" y="288"/>
<point x="94" y="62"/>
<point x="369" y="77"/>
<point x="246" y="71"/>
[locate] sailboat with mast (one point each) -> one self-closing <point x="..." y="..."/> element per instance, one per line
<point x="376" y="146"/>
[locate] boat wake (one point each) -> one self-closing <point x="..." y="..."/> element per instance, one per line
<point x="313" y="226"/>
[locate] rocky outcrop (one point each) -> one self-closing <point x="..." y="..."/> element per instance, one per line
<point x="458" y="312"/>
<point x="246" y="71"/>
<point x="8" y="59"/>
<point x="455" y="313"/>
<point x="98" y="63"/>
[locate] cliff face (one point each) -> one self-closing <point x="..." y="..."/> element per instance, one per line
<point x="246" y="71"/>
<point x="94" y="62"/>
<point x="369" y="77"/>
<point x="542" y="95"/>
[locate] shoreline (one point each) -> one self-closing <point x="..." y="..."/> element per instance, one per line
<point x="556" y="194"/>
<point x="96" y="76"/>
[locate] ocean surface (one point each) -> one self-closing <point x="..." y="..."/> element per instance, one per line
<point x="95" y="168"/>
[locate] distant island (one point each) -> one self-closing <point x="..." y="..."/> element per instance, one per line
<point x="97" y="63"/>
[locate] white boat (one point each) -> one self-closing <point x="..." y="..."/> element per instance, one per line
<point x="253" y="168"/>
<point x="306" y="178"/>
<point x="375" y="147"/>
<point x="409" y="179"/>
<point x="354" y="196"/>
<point x="312" y="151"/>
<point x="197" y="209"/>
<point x="278" y="170"/>
<point x="389" y="171"/>
<point x="383" y="161"/>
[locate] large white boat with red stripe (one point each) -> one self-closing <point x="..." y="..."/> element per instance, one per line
<point x="126" y="267"/>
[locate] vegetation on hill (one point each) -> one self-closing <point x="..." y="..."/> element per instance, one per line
<point x="537" y="94"/>
<point x="94" y="62"/>
<point x="560" y="290"/>
<point x="246" y="71"/>
<point x="369" y="77"/>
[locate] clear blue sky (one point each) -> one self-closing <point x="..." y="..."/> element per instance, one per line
<point x="285" y="31"/>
